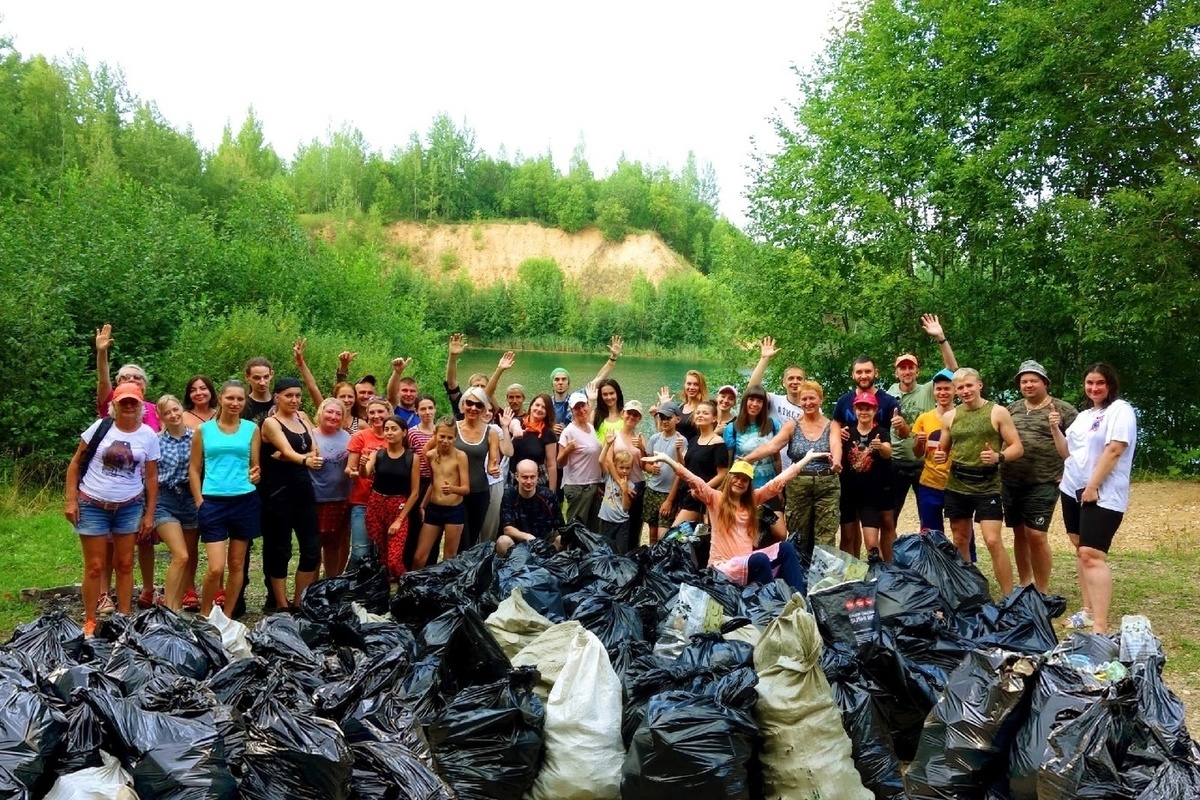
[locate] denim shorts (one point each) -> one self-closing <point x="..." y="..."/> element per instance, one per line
<point x="94" y="520"/>
<point x="238" y="517"/>
<point x="175" y="505"/>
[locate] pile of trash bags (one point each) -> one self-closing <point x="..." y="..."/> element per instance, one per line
<point x="587" y="674"/>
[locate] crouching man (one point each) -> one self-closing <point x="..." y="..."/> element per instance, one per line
<point x="528" y="511"/>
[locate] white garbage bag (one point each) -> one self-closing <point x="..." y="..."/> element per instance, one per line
<point x="548" y="652"/>
<point x="584" y="751"/>
<point x="233" y="634"/>
<point x="515" y="623"/>
<point x="107" y="782"/>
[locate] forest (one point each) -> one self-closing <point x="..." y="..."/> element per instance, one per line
<point x="1027" y="170"/>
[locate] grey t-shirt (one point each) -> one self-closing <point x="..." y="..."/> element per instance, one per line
<point x="659" y="443"/>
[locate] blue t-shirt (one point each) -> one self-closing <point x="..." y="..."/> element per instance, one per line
<point x="843" y="412"/>
<point x="743" y="444"/>
<point x="227" y="459"/>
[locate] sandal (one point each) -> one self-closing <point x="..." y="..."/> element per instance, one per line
<point x="1079" y="620"/>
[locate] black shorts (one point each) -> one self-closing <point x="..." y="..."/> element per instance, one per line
<point x="222" y="518"/>
<point x="437" y="516"/>
<point x="979" y="507"/>
<point x="1029" y="505"/>
<point x="1095" y="526"/>
<point x="864" y="505"/>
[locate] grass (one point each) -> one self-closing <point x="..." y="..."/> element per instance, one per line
<point x="570" y="344"/>
<point x="40" y="550"/>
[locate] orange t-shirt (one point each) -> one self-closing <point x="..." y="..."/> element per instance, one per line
<point x="364" y="442"/>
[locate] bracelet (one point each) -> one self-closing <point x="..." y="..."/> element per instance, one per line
<point x="942" y="340"/>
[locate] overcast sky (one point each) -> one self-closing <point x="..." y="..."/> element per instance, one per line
<point x="652" y="80"/>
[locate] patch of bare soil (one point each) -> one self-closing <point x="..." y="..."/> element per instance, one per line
<point x="492" y="251"/>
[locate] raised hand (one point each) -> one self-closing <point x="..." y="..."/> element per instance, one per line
<point x="767" y="348"/>
<point x="507" y="360"/>
<point x="298" y="351"/>
<point x="344" y="359"/>
<point x="610" y="436"/>
<point x="104" y="338"/>
<point x="400" y="364"/>
<point x="614" y="348"/>
<point x="932" y="326"/>
<point x="1054" y="417"/>
<point x="897" y="420"/>
<point x="458" y="343"/>
<point x="664" y="394"/>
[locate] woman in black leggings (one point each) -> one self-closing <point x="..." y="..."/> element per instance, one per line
<point x="288" y="501"/>
<point x="482" y="447"/>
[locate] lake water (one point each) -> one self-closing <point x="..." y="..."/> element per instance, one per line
<point x="640" y="378"/>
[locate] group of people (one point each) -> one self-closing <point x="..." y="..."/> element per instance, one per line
<point x="379" y="473"/>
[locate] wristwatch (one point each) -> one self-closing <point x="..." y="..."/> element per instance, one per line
<point x="1001" y="454"/>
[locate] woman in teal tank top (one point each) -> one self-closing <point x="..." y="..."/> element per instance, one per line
<point x="222" y="472"/>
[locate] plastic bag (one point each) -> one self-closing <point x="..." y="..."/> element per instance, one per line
<point x="52" y="640"/>
<point x="831" y="566"/>
<point x="470" y="656"/>
<point x="610" y="619"/>
<point x="575" y="535"/>
<point x="964" y="745"/>
<point x="109" y="781"/>
<point x="170" y="755"/>
<point x="1020" y="622"/>
<point x="846" y="613"/>
<point x="548" y="653"/>
<point x="765" y="602"/>
<point x="487" y="743"/>
<point x="1060" y="693"/>
<point x="806" y="753"/>
<point x="1138" y="642"/>
<point x="693" y="611"/>
<point x="192" y="648"/>
<point x="714" y="652"/>
<point x="872" y="746"/>
<point x="539" y="587"/>
<point x="389" y="771"/>
<point x="694" y="745"/>
<point x="370" y="678"/>
<point x="277" y="640"/>
<point x="233" y="634"/>
<point x="369" y="586"/>
<point x="932" y="556"/>
<point x="904" y="598"/>
<point x="584" y="751"/>
<point x="298" y="756"/>
<point x="30" y="734"/>
<point x="514" y="623"/>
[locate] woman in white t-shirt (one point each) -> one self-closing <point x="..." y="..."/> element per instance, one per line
<point x="1098" y="452"/>
<point x="116" y="496"/>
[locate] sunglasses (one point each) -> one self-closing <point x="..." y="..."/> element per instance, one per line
<point x="123" y="378"/>
<point x="472" y="404"/>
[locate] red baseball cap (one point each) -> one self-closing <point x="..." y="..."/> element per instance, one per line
<point x="866" y="399"/>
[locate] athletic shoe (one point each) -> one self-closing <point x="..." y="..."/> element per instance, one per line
<point x="146" y="598"/>
<point x="105" y="607"/>
<point x="1079" y="620"/>
<point x="89" y="628"/>
<point x="190" y="601"/>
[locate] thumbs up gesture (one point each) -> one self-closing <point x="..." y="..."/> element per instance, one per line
<point x="988" y="455"/>
<point x="897" y="420"/>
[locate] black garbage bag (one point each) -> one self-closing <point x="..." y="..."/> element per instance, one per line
<point x="694" y="745"/>
<point x="470" y="655"/>
<point x="610" y="619"/>
<point x="277" y="639"/>
<point x="65" y="680"/>
<point x="189" y="698"/>
<point x="31" y="734"/>
<point x="653" y="675"/>
<point x="846" y="613"/>
<point x="1060" y="693"/>
<point x="712" y="651"/>
<point x="192" y="647"/>
<point x="427" y="593"/>
<point x="933" y="648"/>
<point x="18" y="669"/>
<point x="576" y="536"/>
<point x="904" y="694"/>
<point x="374" y="676"/>
<point x="1163" y="731"/>
<point x="871" y="743"/>
<point x="386" y="718"/>
<point x="564" y="566"/>
<point x="935" y="558"/>
<point x="487" y="743"/>
<point x="240" y="683"/>
<point x="52" y="640"/>
<point x="616" y="573"/>
<point x="904" y="598"/>
<point x="132" y="668"/>
<point x="625" y="653"/>
<point x="539" y="586"/>
<point x="389" y="771"/>
<point x="323" y="598"/>
<point x="421" y="689"/>
<point x="1096" y="647"/>
<point x="1079" y="760"/>
<point x="83" y="742"/>
<point x="170" y="755"/>
<point x="723" y="590"/>
<point x="1174" y="780"/>
<point x="380" y="637"/>
<point x="369" y="586"/>
<point x="675" y="559"/>
<point x="1020" y="622"/>
<point x="297" y="756"/>
<point x="763" y="603"/>
<point x="964" y="745"/>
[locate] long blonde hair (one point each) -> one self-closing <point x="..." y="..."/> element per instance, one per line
<point x="728" y="505"/>
<point x="699" y="376"/>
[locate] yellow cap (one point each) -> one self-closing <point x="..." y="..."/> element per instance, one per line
<point x="742" y="468"/>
